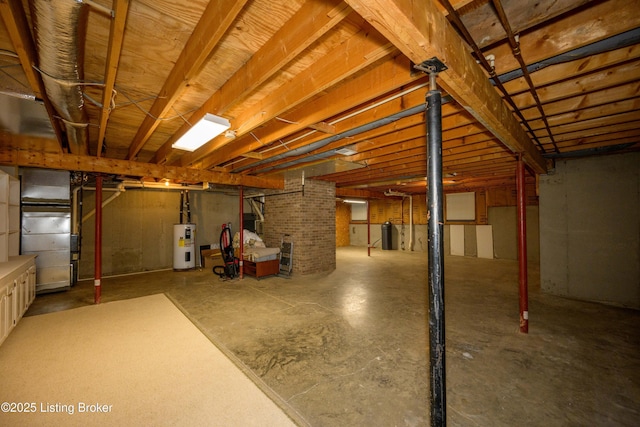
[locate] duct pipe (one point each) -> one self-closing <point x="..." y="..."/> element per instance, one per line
<point x="522" y="247"/>
<point x="97" y="286"/>
<point x="256" y="209"/>
<point x="619" y="41"/>
<point x="419" y="109"/>
<point x="241" y="261"/>
<point x="625" y="39"/>
<point x="119" y="191"/>
<point x="436" y="255"/>
<point x="58" y="27"/>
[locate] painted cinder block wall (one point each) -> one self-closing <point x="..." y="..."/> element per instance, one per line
<point x="309" y="219"/>
<point x="590" y="229"/>
<point x="137" y="228"/>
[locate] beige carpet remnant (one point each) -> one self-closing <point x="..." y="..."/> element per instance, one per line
<point x="131" y="362"/>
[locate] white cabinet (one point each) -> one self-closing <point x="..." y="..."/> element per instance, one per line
<point x="9" y="216"/>
<point x="4" y="217"/>
<point x="14" y="216"/>
<point x="17" y="291"/>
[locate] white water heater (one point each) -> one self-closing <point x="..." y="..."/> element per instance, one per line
<point x="184" y="244"/>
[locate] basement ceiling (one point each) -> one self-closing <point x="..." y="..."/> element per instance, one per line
<point x="299" y="80"/>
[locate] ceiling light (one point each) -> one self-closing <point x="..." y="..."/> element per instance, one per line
<point x="346" y="151"/>
<point x="202" y="132"/>
<point x="354" y="201"/>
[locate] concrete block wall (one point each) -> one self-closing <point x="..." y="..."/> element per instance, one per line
<point x="590" y="229"/>
<point x="137" y="228"/>
<point x="309" y="219"/>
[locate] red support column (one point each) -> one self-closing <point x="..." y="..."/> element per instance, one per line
<point x="368" y="231"/>
<point x="522" y="247"/>
<point x="241" y="264"/>
<point x="98" y="242"/>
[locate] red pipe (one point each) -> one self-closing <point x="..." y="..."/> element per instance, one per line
<point x="97" y="288"/>
<point x="368" y="231"/>
<point x="522" y="247"/>
<point x="241" y="231"/>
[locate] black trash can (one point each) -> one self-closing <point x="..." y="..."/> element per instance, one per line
<point x="386" y="236"/>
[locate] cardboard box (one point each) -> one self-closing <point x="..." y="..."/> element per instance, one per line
<point x="210" y="258"/>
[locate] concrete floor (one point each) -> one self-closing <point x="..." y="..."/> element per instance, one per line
<point x="350" y="348"/>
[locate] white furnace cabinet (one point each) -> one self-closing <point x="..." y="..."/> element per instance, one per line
<point x="17" y="291"/>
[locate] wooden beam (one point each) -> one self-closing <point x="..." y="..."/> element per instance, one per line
<point x="403" y="129"/>
<point x="619" y="112"/>
<point x="590" y="24"/>
<point x="359" y="51"/>
<point x="27" y="158"/>
<point x="579" y="67"/>
<point x="422" y="32"/>
<point x="17" y="27"/>
<point x="312" y="21"/>
<point x="16" y="24"/>
<point x="485" y="28"/>
<point x="613" y="77"/>
<point x="323" y="127"/>
<point x="601" y="141"/>
<point x="371" y="84"/>
<point x="586" y="100"/>
<point x="604" y="130"/>
<point x="116" y="37"/>
<point x="216" y="19"/>
<point x="360" y="194"/>
<point x="253" y="155"/>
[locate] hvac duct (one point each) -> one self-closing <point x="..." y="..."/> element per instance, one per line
<point x="58" y="25"/>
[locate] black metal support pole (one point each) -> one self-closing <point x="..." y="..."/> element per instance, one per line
<point x="436" y="254"/>
<point x="181" y="205"/>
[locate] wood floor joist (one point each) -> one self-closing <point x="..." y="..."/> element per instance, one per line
<point x="421" y="32"/>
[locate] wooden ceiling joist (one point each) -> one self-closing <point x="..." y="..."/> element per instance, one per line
<point x="310" y="23"/>
<point x="382" y="78"/>
<point x="421" y="32"/>
<point x="116" y="37"/>
<point x="580" y="28"/>
<point x="300" y="80"/>
<point x="215" y="21"/>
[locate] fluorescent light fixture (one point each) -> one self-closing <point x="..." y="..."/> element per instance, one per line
<point x="202" y="132"/>
<point x="354" y="201"/>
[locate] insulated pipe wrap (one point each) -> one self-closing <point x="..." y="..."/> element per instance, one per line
<point x="59" y="27"/>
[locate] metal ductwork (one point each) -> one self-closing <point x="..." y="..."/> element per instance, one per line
<point x="333" y="138"/>
<point x="58" y="27"/>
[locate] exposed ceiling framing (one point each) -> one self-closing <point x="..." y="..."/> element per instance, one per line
<point x="300" y="80"/>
